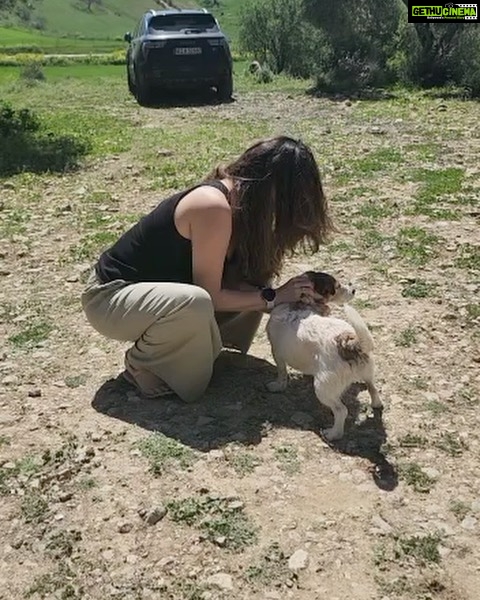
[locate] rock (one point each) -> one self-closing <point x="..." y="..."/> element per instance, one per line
<point x="10" y="380"/>
<point x="431" y="472"/>
<point x="469" y="523"/>
<point x="65" y="497"/>
<point x="155" y="515"/>
<point x="221" y="541"/>
<point x="35" y="393"/>
<point x="476" y="506"/>
<point x="222" y="581"/>
<point x="125" y="527"/>
<point x="236" y="505"/>
<point x="298" y="560"/>
<point x="17" y="543"/>
<point x="380" y="526"/>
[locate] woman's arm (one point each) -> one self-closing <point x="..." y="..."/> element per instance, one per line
<point x="210" y="224"/>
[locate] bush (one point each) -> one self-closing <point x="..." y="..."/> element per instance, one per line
<point x="32" y="72"/>
<point x="25" y="147"/>
<point x="276" y="33"/>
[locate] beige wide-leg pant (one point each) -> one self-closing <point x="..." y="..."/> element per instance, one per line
<point x="176" y="333"/>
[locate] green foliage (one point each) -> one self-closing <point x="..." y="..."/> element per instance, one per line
<point x="28" y="148"/>
<point x="276" y="33"/>
<point x="32" y="72"/>
<point x="222" y="519"/>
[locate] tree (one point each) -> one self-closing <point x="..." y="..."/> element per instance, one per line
<point x="276" y="33"/>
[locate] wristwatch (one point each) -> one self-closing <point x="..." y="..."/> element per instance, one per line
<point x="269" y="295"/>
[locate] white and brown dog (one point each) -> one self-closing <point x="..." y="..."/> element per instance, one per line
<point x="336" y="352"/>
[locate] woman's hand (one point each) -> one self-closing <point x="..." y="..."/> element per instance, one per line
<point x="296" y="289"/>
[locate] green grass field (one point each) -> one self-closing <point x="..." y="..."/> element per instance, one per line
<point x="70" y="29"/>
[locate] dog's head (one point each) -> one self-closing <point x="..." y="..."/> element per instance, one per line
<point x="330" y="290"/>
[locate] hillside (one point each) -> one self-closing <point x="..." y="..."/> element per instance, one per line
<point x="109" y="19"/>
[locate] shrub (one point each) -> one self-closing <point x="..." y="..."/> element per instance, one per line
<point x="32" y="72"/>
<point x="25" y="147"/>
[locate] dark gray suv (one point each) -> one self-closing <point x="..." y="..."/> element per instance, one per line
<point x="178" y="49"/>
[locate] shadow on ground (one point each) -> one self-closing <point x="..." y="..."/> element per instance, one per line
<point x="237" y="408"/>
<point x="184" y="99"/>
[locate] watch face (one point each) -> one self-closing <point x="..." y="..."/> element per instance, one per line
<point x="268" y="294"/>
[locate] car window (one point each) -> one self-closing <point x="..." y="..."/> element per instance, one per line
<point x="181" y="22"/>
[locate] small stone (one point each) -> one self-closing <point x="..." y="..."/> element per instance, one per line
<point x="431" y="472"/>
<point x="469" y="523"/>
<point x="298" y="560"/>
<point x="222" y="581"/>
<point x="96" y="437"/>
<point x="17" y="543"/>
<point x="476" y="506"/>
<point x="132" y="559"/>
<point x="125" y="527"/>
<point x="221" y="541"/>
<point x="236" y="505"/>
<point x="72" y="279"/>
<point x="10" y="380"/>
<point x="155" y="515"/>
<point x="65" y="497"/>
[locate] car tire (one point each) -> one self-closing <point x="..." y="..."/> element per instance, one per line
<point x="131" y="86"/>
<point x="225" y="89"/>
<point x="143" y="92"/>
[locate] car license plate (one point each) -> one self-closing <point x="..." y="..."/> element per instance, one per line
<point x="188" y="50"/>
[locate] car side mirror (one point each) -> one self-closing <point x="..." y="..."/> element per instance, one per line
<point x="128" y="37"/>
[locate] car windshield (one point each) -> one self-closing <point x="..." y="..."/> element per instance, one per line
<point x="179" y="22"/>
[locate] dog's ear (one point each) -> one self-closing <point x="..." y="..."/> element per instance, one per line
<point x="323" y="283"/>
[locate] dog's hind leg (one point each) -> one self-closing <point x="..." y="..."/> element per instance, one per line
<point x="281" y="382"/>
<point x="330" y="395"/>
<point x="374" y="395"/>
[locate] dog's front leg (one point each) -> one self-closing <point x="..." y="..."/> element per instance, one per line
<point x="280" y="384"/>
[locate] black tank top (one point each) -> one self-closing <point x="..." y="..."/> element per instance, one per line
<point x="153" y="249"/>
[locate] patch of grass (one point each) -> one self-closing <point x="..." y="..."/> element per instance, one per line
<point x="468" y="257"/>
<point x="424" y="549"/>
<point x="450" y="444"/>
<point x="413" y="441"/>
<point x="4" y="440"/>
<point x="378" y="160"/>
<point x="221" y="519"/>
<point x="272" y="569"/>
<point x="438" y="182"/>
<point x="473" y="311"/>
<point x="74" y="381"/>
<point x="62" y="543"/>
<point x="459" y="508"/>
<point x="57" y="584"/>
<point x="287" y="459"/>
<point x="376" y="209"/>
<point x="469" y="396"/>
<point x="407" y="337"/>
<point x="34" y="507"/>
<point x="418" y="288"/>
<point x="415" y="477"/>
<point x="14" y="223"/>
<point x="416" y="245"/>
<point x="162" y="452"/>
<point x="86" y="483"/>
<point x="436" y="407"/>
<point x="92" y="244"/>
<point x="31" y="335"/>
<point x="244" y="463"/>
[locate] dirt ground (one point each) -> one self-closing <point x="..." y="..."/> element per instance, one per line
<point x="106" y="495"/>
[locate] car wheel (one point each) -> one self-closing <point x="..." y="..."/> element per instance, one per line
<point x="143" y="91"/>
<point x="131" y="85"/>
<point x="225" y="89"/>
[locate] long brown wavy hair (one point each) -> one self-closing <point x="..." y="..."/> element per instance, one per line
<point x="278" y="206"/>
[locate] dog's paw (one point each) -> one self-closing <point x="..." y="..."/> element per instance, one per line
<point x="332" y="434"/>
<point x="276" y="386"/>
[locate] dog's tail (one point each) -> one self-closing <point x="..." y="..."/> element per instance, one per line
<point x="364" y="336"/>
